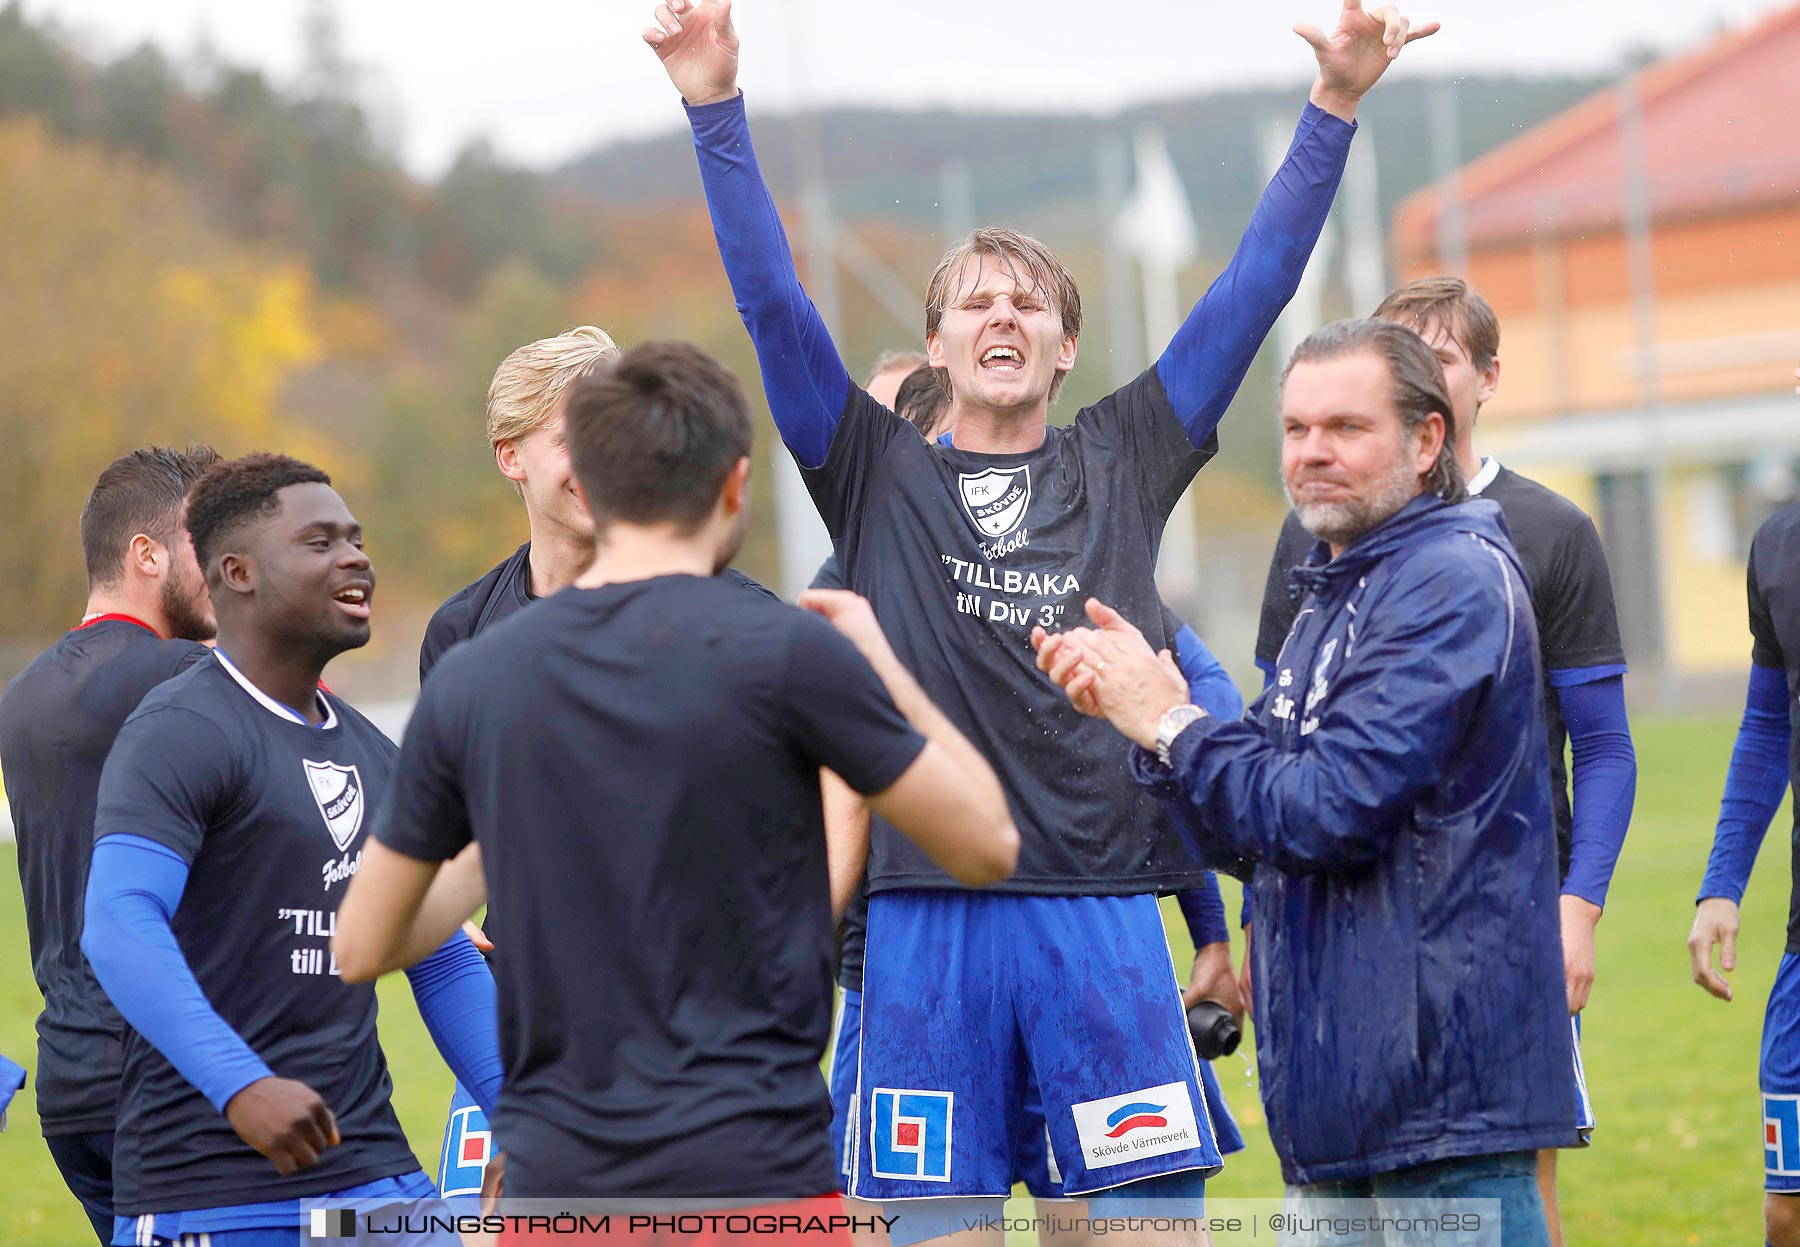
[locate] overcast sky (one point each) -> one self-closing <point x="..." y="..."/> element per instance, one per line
<point x="546" y="79"/>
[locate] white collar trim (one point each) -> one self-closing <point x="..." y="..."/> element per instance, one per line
<point x="1490" y="468"/>
<point x="269" y="703"/>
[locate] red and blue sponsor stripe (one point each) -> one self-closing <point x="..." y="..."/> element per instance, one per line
<point x="1137" y="1115"/>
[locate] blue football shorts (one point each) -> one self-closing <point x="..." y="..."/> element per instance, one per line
<point x="1584" y="1107"/>
<point x="1035" y="1166"/>
<point x="969" y="997"/>
<point x="468" y="1147"/>
<point x="845" y="1050"/>
<point x="1779" y="1079"/>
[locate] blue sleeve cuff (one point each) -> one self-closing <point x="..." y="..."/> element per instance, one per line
<point x="1568" y="677"/>
<point x="1312" y="115"/>
<point x="1204" y="909"/>
<point x="719" y="113"/>
<point x="1162" y="782"/>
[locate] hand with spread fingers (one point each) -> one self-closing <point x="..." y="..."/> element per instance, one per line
<point x="698" y="48"/>
<point x="1111" y="672"/>
<point x="1357" y="52"/>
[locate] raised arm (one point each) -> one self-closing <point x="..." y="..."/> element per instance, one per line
<point x="803" y="376"/>
<point x="1205" y="362"/>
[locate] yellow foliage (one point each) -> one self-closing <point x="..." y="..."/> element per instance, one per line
<point x="252" y="333"/>
<point x="126" y="320"/>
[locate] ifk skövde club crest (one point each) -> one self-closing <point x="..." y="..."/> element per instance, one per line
<point x="997" y="498"/>
<point x="339" y="792"/>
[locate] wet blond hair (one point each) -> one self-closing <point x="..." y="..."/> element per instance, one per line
<point x="1031" y="264"/>
<point x="528" y="387"/>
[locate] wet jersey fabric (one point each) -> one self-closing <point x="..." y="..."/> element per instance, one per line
<point x="270" y="815"/>
<point x="1392" y="790"/>
<point x="640" y="764"/>
<point x="497" y="596"/>
<point x="1208" y="684"/>
<point x="961" y="554"/>
<point x="1578" y="631"/>
<point x="58" y="720"/>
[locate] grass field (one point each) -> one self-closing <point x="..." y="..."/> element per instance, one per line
<point x="1676" y="1159"/>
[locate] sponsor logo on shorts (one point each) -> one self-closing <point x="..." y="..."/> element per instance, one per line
<point x="1138" y="1115"/>
<point x="468" y="1146"/>
<point x="1781" y="1135"/>
<point x="910" y="1134"/>
<point x="1139" y="1124"/>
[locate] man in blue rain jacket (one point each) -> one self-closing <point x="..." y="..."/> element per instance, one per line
<point x="1392" y="789"/>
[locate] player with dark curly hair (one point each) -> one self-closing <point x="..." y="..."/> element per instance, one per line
<point x="232" y="814"/>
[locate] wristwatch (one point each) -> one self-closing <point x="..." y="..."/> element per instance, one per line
<point x="1170" y="726"/>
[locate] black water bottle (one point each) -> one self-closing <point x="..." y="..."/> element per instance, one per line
<point x="1214" y="1032"/>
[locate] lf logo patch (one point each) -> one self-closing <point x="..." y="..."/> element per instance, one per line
<point x="997" y="499"/>
<point x="1138" y="1124"/>
<point x="339" y="792"/>
<point x="1781" y="1135"/>
<point x="910" y="1135"/>
<point x="468" y="1146"/>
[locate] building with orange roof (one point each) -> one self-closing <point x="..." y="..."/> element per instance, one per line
<point x="1644" y="260"/>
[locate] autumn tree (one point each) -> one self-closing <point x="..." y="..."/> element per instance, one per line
<point x="126" y="321"/>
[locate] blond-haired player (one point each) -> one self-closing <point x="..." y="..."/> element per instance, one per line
<point x="525" y="430"/>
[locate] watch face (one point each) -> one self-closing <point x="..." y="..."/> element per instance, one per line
<point x="1181" y="716"/>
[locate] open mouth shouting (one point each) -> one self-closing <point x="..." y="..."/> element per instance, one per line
<point x="1003" y="359"/>
<point x="353" y="598"/>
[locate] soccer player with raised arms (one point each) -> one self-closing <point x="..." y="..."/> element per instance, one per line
<point x="918" y="399"/>
<point x="232" y="815"/>
<point x="962" y="550"/>
<point x="147" y="611"/>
